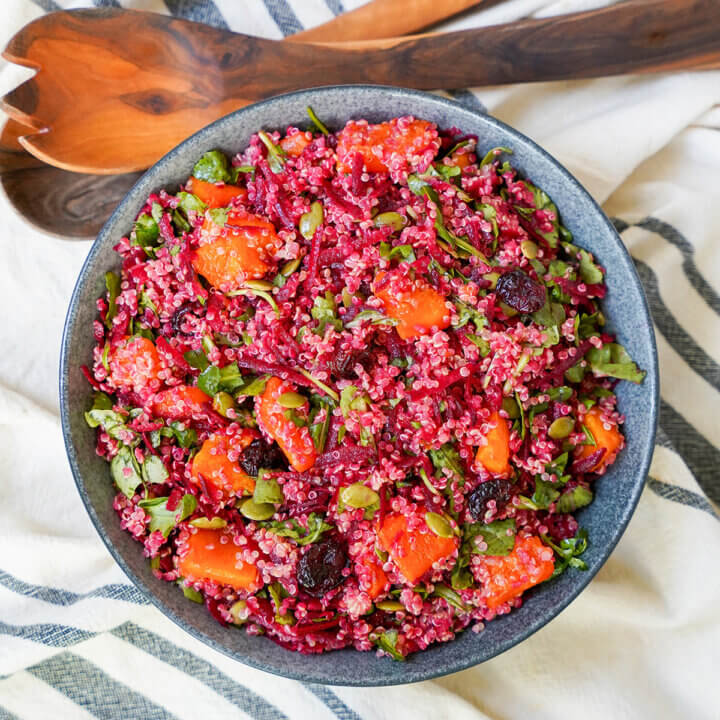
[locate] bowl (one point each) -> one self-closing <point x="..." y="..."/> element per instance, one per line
<point x="617" y="492"/>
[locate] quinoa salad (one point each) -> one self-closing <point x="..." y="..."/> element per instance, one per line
<point x="352" y="386"/>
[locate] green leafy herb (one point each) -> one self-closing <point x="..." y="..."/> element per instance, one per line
<point x="374" y="316"/>
<point x="190" y="203"/>
<point x="482" y="345"/>
<point x="406" y="252"/>
<point x="573" y="499"/>
<point x="316" y="121"/>
<point x="218" y="216"/>
<point x="146" y="231"/>
<point x="186" y="437"/>
<point x="112" y="283"/>
<point x="324" y="310"/>
<point x="125" y="471"/>
<point x="163" y="519"/>
<point x="352" y="399"/>
<point x="292" y="529"/>
<point x="196" y="359"/>
<point x="568" y="552"/>
<point x="490" y="214"/>
<point x="387" y="642"/>
<point x="493" y="154"/>
<point x="466" y="313"/>
<point x="276" y="155"/>
<point x="499" y="536"/>
<point x="154" y="471"/>
<point x="612" y="360"/>
<point x="112" y="422"/>
<point x="213" y="167"/>
<point x="450" y="597"/>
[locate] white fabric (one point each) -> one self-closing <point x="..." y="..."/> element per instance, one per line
<point x="642" y="641"/>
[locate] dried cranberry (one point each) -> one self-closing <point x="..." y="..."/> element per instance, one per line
<point x="498" y="490"/>
<point x="261" y="454"/>
<point x="320" y="568"/>
<point x="520" y="291"/>
<point x="178" y="317"/>
<point x="344" y="362"/>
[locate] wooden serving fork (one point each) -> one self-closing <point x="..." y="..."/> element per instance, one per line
<point x="103" y="104"/>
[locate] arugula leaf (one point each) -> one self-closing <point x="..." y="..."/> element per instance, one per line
<point x="377" y="318"/>
<point x="275" y="154"/>
<point x="209" y="380"/>
<point x="112" y="283"/>
<point x="448" y="457"/>
<point x="450" y="597"/>
<point x="324" y="311"/>
<point x="112" y="422"/>
<point x="146" y="231"/>
<point x="493" y="154"/>
<point x="125" y="471"/>
<point x="352" y="399"/>
<point x="568" y="552"/>
<point x="613" y="360"/>
<point x="292" y="529"/>
<point x="163" y="519"/>
<point x="572" y="500"/>
<point x="496" y="535"/>
<point x="254" y="386"/>
<point x="589" y="271"/>
<point x="213" y="167"/>
<point x="387" y="642"/>
<point x="154" y="471"/>
<point x="186" y="437"/>
<point x="490" y="214"/>
<point x="406" y="252"/>
<point x="196" y="359"/>
<point x="545" y="493"/>
<point x="189" y="202"/>
<point x="466" y="313"/>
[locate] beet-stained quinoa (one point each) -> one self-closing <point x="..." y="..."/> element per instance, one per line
<point x="353" y="386"/>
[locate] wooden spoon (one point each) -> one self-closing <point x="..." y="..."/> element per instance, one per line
<point x="76" y="205"/>
<point x="109" y="106"/>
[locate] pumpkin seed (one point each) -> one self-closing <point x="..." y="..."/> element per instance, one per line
<point x="292" y="400"/>
<point x="237" y="610"/>
<point x="290" y="267"/>
<point x="359" y="496"/>
<point x="259" y="285"/>
<point x="209" y="523"/>
<point x="492" y="278"/>
<point x="222" y="402"/>
<point x="394" y="219"/>
<point x="439" y="525"/>
<point x="561" y="427"/>
<point x="529" y="249"/>
<point x="389" y="605"/>
<point x="311" y="220"/>
<point x="257" y="511"/>
<point x="510" y="406"/>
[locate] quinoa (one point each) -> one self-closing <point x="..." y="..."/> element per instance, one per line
<point x="353" y="386"/>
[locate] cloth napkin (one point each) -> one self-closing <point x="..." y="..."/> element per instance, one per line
<point x="643" y="641"/>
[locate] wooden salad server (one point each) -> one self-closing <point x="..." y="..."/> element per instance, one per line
<point x="102" y="104"/>
<point x="76" y="205"/>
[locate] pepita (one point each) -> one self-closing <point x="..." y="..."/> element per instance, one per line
<point x="389" y="605"/>
<point x="394" y="219"/>
<point x="257" y="511"/>
<point x="209" y="523"/>
<point x="292" y="400"/>
<point x="439" y="525"/>
<point x="311" y="220"/>
<point x="222" y="402"/>
<point x="529" y="249"/>
<point x="359" y="496"/>
<point x="561" y="427"/>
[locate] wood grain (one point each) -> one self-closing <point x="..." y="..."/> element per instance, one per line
<point x="383" y="19"/>
<point x="115" y="106"/>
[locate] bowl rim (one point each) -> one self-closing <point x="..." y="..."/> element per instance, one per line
<point x="450" y="665"/>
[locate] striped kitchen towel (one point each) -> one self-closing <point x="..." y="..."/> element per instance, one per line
<point x="78" y="641"/>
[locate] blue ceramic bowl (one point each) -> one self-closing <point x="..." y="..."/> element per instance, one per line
<point x="616" y="493"/>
